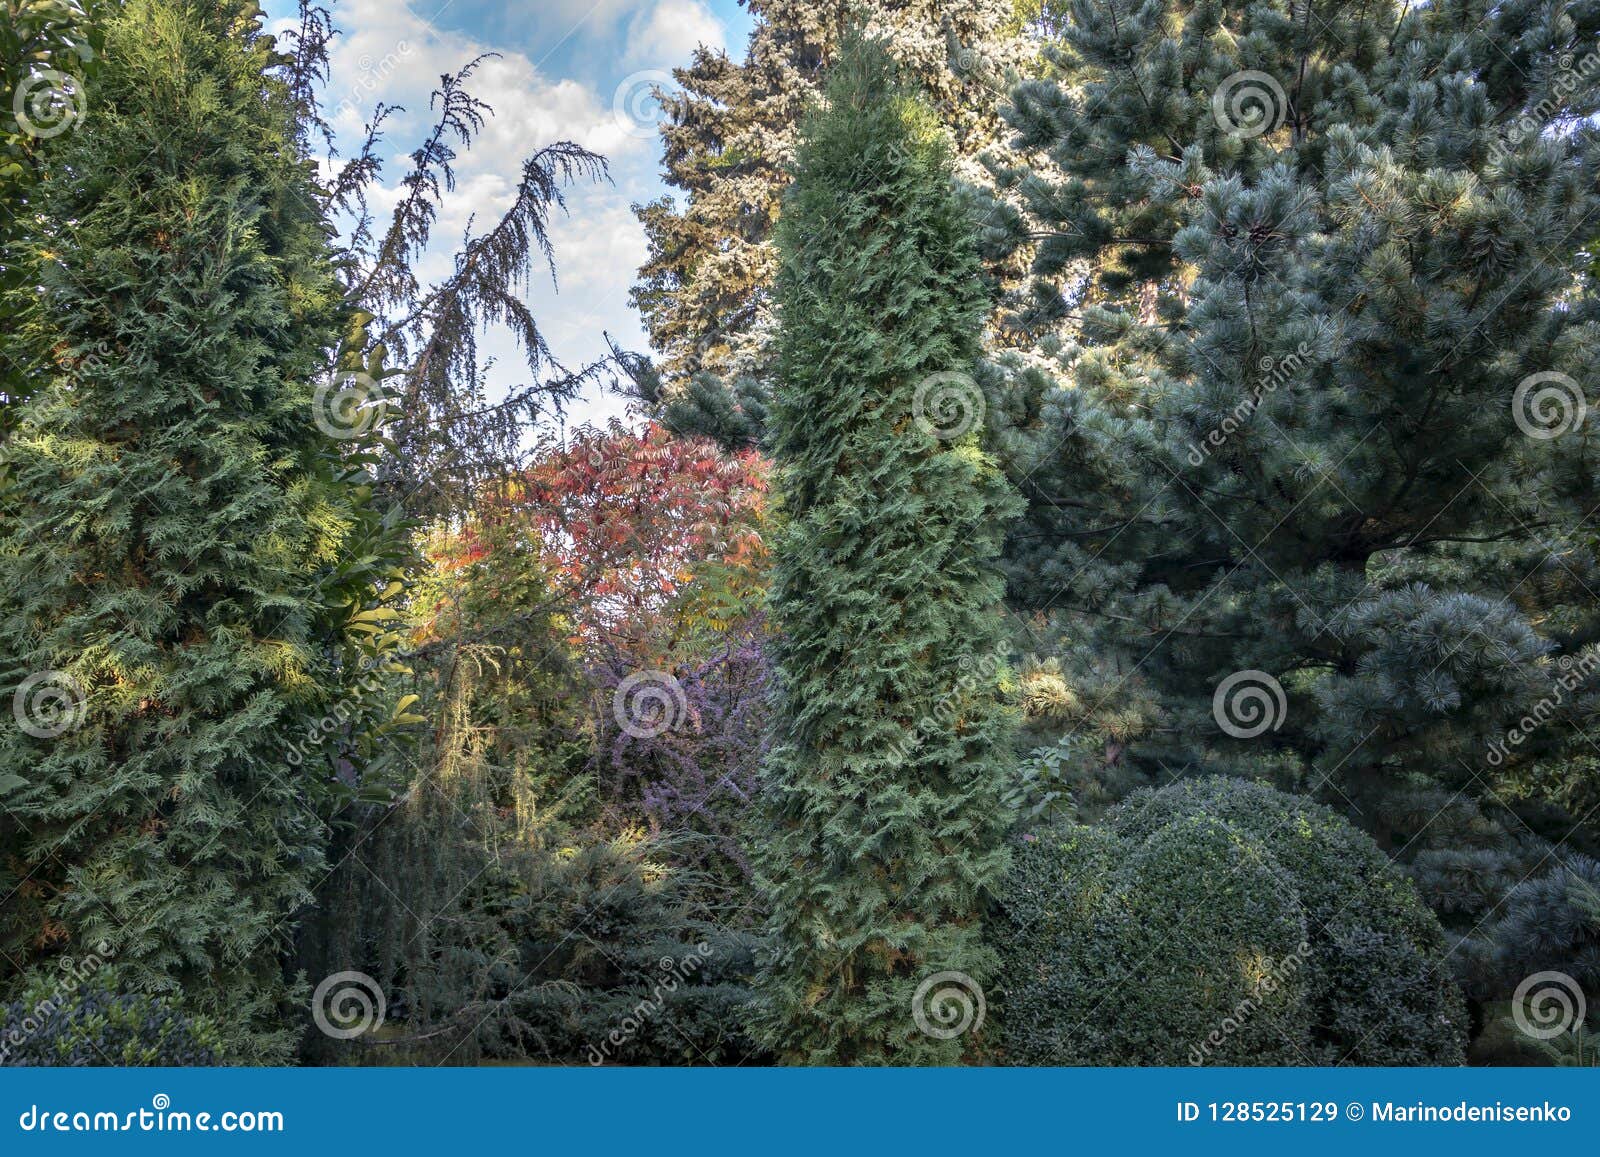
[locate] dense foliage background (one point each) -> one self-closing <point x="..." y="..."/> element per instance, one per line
<point x="1100" y="567"/>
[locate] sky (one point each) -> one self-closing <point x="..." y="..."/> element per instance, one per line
<point x="576" y="70"/>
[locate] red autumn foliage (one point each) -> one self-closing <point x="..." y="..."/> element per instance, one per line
<point x="624" y="520"/>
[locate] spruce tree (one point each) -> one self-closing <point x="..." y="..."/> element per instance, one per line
<point x="1310" y="493"/>
<point x="881" y="796"/>
<point x="729" y="133"/>
<point x="178" y="515"/>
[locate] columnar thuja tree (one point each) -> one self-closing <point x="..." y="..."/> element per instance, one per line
<point x="179" y="518"/>
<point x="1312" y="490"/>
<point x="882" y="792"/>
<point x="728" y="135"/>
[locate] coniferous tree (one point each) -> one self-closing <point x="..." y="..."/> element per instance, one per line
<point x="705" y="293"/>
<point x="449" y="433"/>
<point x="180" y="517"/>
<point x="47" y="48"/>
<point x="882" y="792"/>
<point x="1310" y="491"/>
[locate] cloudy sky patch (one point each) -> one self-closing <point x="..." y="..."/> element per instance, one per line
<point x="561" y="67"/>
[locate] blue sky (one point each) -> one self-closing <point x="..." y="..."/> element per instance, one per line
<point x="569" y="69"/>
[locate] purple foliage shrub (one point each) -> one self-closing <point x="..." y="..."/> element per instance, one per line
<point x="686" y="763"/>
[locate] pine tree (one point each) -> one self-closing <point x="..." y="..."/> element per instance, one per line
<point x="1310" y="494"/>
<point x="882" y="816"/>
<point x="180" y="519"/>
<point x="705" y="293"/>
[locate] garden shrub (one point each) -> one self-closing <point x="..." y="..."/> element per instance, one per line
<point x="70" y="1019"/>
<point x="622" y="966"/>
<point x="1219" y="921"/>
<point x="591" y="950"/>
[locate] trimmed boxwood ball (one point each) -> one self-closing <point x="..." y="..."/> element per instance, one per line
<point x="1218" y="921"/>
<point x="1213" y="967"/>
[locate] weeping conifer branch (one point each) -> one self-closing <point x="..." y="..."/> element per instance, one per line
<point x="447" y="433"/>
<point x="306" y="68"/>
<point x="449" y="427"/>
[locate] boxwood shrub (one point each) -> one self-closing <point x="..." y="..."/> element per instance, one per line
<point x="77" y="1020"/>
<point x="1218" y="921"/>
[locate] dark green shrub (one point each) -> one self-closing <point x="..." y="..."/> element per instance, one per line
<point x="75" y="1019"/>
<point x="595" y="952"/>
<point x="1532" y="964"/>
<point x="1220" y="921"/>
<point x="621" y="967"/>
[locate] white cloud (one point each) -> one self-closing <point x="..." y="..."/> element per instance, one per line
<point x="388" y="54"/>
<point x="667" y="34"/>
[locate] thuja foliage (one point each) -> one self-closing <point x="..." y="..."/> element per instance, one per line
<point x="1221" y="922"/>
<point x="48" y="49"/>
<point x="1292" y="286"/>
<point x="165" y="580"/>
<point x="728" y="134"/>
<point x="881" y="796"/>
